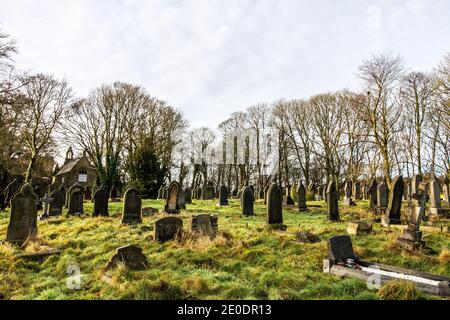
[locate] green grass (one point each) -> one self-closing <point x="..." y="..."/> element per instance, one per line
<point x="246" y="261"/>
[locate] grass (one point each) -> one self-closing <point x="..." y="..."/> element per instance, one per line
<point x="246" y="261"/>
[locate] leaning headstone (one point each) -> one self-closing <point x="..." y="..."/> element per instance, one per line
<point x="132" y="207"/>
<point x="301" y="198"/>
<point x="172" y="205"/>
<point x="166" y="228"/>
<point x="75" y="203"/>
<point x="359" y="228"/>
<point x="247" y="202"/>
<point x="101" y="197"/>
<point x="204" y="225"/>
<point x="395" y="201"/>
<point x="23" y="219"/>
<point x="131" y="256"/>
<point x="223" y="196"/>
<point x="333" y="202"/>
<point x="382" y="199"/>
<point x="274" y="205"/>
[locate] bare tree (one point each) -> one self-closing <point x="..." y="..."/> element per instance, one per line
<point x="380" y="111"/>
<point x="43" y="101"/>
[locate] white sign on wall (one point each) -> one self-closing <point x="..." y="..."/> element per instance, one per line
<point x="82" y="177"/>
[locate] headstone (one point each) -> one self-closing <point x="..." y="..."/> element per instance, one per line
<point x="274" y="205"/>
<point x="357" y="190"/>
<point x="172" y="205"/>
<point x="435" y="198"/>
<point x="382" y="199"/>
<point x="373" y="192"/>
<point x="359" y="228"/>
<point x="340" y="249"/>
<point x="182" y="200"/>
<point x="166" y="228"/>
<point x="132" y="207"/>
<point x="301" y="197"/>
<point x="289" y="200"/>
<point x="188" y="194"/>
<point x="56" y="206"/>
<point x="266" y="190"/>
<point x="247" y="202"/>
<point x="415" y="182"/>
<point x="75" y="203"/>
<point x="23" y="219"/>
<point x="131" y="256"/>
<point x="101" y="197"/>
<point x="46" y="200"/>
<point x="204" y="225"/>
<point x="223" y="196"/>
<point x="411" y="238"/>
<point x="333" y="201"/>
<point x="395" y="201"/>
<point x="114" y="194"/>
<point x="11" y="189"/>
<point x="348" y="193"/>
<point x="446" y="189"/>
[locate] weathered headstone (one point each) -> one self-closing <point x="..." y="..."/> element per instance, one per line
<point x="395" y="201"/>
<point x="382" y="198"/>
<point x="75" y="203"/>
<point x="348" y="193"/>
<point x="131" y="256"/>
<point x="357" y="190"/>
<point x="188" y="194"/>
<point x="289" y="200"/>
<point x="56" y="206"/>
<point x="274" y="205"/>
<point x="223" y="196"/>
<point x="411" y="238"/>
<point x="435" y="198"/>
<point x="373" y="192"/>
<point x="11" y="189"/>
<point x="114" y="194"/>
<point x="359" y="228"/>
<point x="247" y="202"/>
<point x="415" y="182"/>
<point x="46" y="200"/>
<point x="132" y="207"/>
<point x="23" y="219"/>
<point x="301" y="197"/>
<point x="182" y="200"/>
<point x="166" y="228"/>
<point x="101" y="197"/>
<point x="172" y="205"/>
<point x="333" y="201"/>
<point x="204" y="225"/>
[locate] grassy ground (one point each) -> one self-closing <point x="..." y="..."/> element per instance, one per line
<point x="246" y="261"/>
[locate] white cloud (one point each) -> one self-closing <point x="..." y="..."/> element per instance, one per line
<point x="210" y="58"/>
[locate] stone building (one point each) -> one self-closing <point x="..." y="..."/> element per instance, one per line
<point x="76" y="170"/>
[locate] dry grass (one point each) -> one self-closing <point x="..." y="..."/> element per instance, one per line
<point x="398" y="290"/>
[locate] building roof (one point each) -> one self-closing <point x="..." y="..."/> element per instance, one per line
<point x="69" y="165"/>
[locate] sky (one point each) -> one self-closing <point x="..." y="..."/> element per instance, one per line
<point x="209" y="58"/>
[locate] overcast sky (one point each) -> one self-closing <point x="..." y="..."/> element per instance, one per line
<point x="210" y="58"/>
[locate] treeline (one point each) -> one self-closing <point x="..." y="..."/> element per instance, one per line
<point x="398" y="123"/>
<point x="128" y="135"/>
